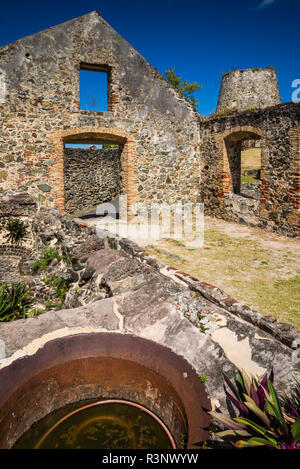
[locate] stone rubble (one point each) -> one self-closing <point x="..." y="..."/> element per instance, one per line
<point x="146" y="298"/>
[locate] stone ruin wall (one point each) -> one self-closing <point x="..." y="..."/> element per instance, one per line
<point x="92" y="176"/>
<point x="278" y="127"/>
<point x="158" y="128"/>
<point x="252" y="143"/>
<point x="248" y="89"/>
<point x="169" y="154"/>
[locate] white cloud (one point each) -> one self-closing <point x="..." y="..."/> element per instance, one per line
<point x="265" y="4"/>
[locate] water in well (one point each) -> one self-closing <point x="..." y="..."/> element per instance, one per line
<point x="98" y="425"/>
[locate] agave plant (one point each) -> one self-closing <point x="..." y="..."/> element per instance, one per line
<point x="15" y="301"/>
<point x="264" y="419"/>
<point x="17" y="231"/>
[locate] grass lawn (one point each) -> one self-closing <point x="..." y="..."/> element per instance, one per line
<point x="250" y="159"/>
<point x="257" y="268"/>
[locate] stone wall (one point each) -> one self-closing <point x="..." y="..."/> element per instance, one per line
<point x="278" y="129"/>
<point x="246" y="144"/>
<point x="158" y="128"/>
<point x="169" y="153"/>
<point x="250" y="88"/>
<point x="92" y="176"/>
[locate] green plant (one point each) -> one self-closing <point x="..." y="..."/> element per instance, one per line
<point x="184" y="87"/>
<point x="201" y="326"/>
<point x="225" y="112"/>
<point x="48" y="254"/>
<point x="112" y="245"/>
<point x="15" y="301"/>
<point x="68" y="257"/>
<point x="61" y="284"/>
<point x="17" y="231"/>
<point x="48" y="280"/>
<point x="202" y="378"/>
<point x="291" y="402"/>
<point x="35" y="312"/>
<point x="265" y="419"/>
<point x="183" y="438"/>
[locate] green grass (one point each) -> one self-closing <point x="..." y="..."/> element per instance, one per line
<point x="250" y="159"/>
<point x="248" y="180"/>
<point x="256" y="274"/>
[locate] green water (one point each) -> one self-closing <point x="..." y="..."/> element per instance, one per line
<point x="105" y="426"/>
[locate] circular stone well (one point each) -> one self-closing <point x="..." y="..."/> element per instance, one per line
<point x="96" y="366"/>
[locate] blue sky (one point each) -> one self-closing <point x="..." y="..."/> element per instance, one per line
<point x="201" y="39"/>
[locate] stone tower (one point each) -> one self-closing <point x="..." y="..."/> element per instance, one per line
<point x="250" y="88"/>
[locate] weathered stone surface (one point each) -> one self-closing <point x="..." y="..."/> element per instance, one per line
<point x="250" y="88"/>
<point x="168" y="153"/>
<point x="125" y="294"/>
<point x="150" y="121"/>
<point x="92" y="176"/>
<point x="276" y="206"/>
<point x="101" y="260"/>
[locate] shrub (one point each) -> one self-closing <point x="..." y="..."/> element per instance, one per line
<point x="202" y="378"/>
<point x="183" y="86"/>
<point x="265" y="419"/>
<point x="47" y="256"/>
<point x="15" y="301"/>
<point x="112" y="245"/>
<point x="61" y="286"/>
<point x="17" y="231"/>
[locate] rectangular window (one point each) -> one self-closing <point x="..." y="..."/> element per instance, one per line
<point x="94" y="88"/>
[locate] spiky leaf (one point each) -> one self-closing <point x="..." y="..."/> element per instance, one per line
<point x="226" y="421"/>
<point x="296" y="431"/>
<point x="256" y="441"/>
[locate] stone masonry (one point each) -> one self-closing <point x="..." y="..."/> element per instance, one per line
<point x="169" y="152"/>
<point x="277" y="129"/>
<point x="92" y="176"/>
<point x="40" y="112"/>
<point x="250" y="88"/>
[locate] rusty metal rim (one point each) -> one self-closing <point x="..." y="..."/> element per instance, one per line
<point x="109" y="401"/>
<point x="191" y="398"/>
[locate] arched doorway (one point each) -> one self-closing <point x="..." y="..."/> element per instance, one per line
<point x="244" y="160"/>
<point x="96" y="136"/>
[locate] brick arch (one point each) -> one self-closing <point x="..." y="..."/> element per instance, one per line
<point x="245" y="129"/>
<point x="235" y="135"/>
<point x="95" y="134"/>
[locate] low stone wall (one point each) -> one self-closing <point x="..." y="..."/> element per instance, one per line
<point x="92" y="176"/>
